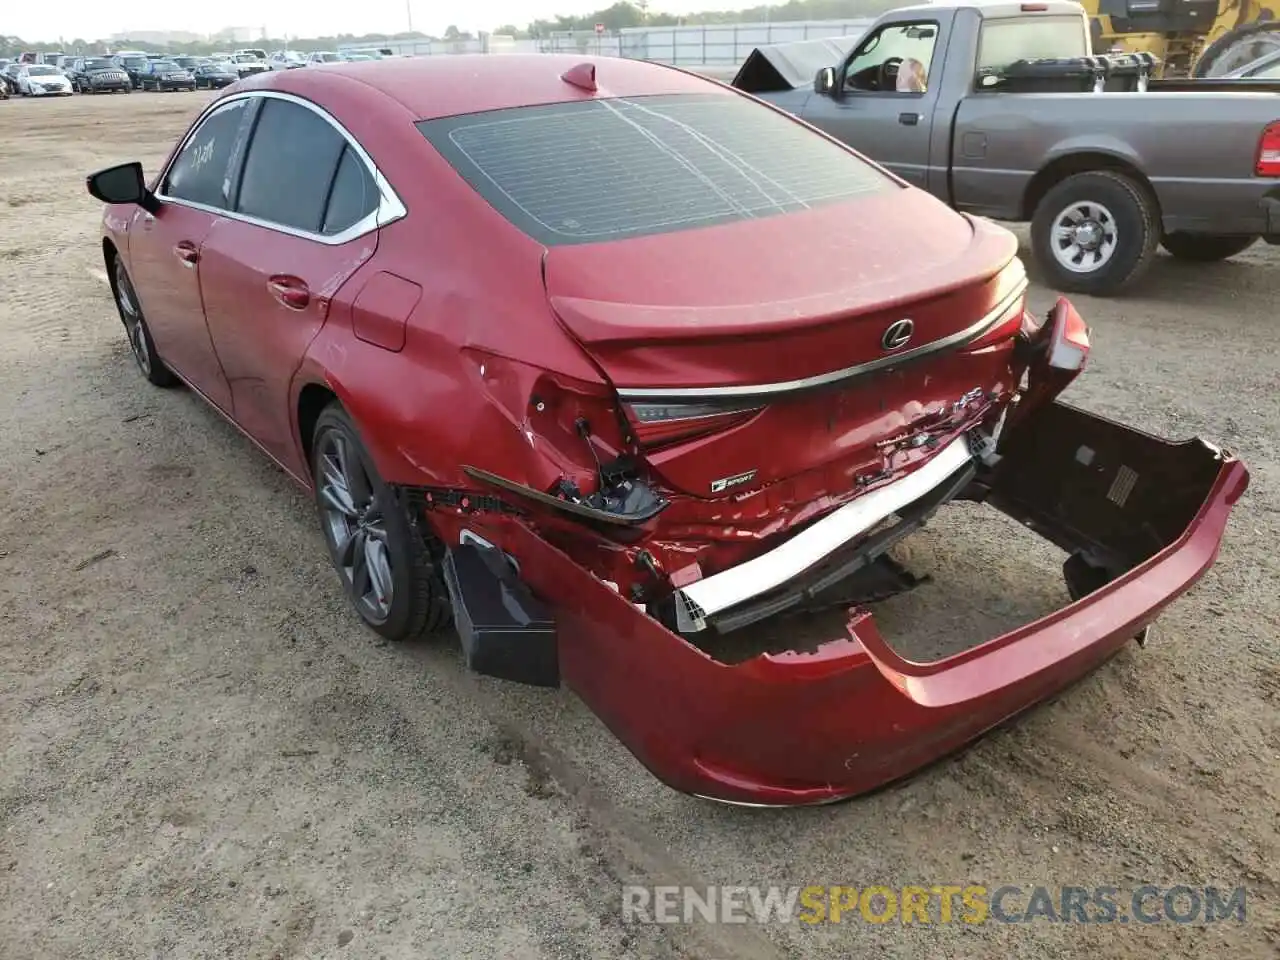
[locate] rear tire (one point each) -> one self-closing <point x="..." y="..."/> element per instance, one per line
<point x="1095" y="232"/>
<point x="384" y="560"/>
<point x="1205" y="247"/>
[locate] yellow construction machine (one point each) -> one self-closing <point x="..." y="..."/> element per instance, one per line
<point x="1191" y="38"/>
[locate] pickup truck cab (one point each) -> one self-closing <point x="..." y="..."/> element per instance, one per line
<point x="1103" y="176"/>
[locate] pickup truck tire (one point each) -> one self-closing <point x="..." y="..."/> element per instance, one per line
<point x="1095" y="232"/>
<point x="1205" y="247"/>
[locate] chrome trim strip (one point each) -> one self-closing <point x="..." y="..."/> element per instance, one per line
<point x="972" y="332"/>
<point x="707" y="597"/>
<point x="390" y="207"/>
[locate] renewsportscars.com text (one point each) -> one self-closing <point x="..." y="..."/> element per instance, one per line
<point x="937" y="903"/>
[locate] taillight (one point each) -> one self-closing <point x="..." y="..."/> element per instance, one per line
<point x="1269" y="151"/>
<point x="1068" y="338"/>
<point x="657" y="424"/>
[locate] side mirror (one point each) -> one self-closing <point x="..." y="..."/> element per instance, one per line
<point x="122" y="184"/>
<point x="824" y="83"/>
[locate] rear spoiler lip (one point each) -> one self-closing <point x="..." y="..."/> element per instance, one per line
<point x="969" y="334"/>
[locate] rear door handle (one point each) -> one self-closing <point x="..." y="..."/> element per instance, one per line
<point x="186" y="252"/>
<point x="908" y="119"/>
<point x="290" y="291"/>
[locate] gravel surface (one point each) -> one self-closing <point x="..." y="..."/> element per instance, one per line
<point x="204" y="755"/>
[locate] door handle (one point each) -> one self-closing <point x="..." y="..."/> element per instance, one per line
<point x="908" y="119"/>
<point x="186" y="252"/>
<point x="290" y="291"/>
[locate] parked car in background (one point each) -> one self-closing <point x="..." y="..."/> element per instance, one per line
<point x="356" y="57"/>
<point x="286" y="60"/>
<point x="215" y="76"/>
<point x="253" y="52"/>
<point x="1264" y="68"/>
<point x="135" y="65"/>
<point x="98" y="75"/>
<point x="10" y="73"/>
<point x="43" y="80"/>
<point x="248" y="64"/>
<point x="188" y="63"/>
<point x="323" y="56"/>
<point x="609" y="415"/>
<point x="163" y="75"/>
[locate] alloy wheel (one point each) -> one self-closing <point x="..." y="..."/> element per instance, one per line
<point x="354" y="526"/>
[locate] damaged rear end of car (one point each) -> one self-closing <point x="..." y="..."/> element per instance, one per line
<point x="800" y="361"/>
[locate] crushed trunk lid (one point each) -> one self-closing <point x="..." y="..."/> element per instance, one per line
<point x="775" y="329"/>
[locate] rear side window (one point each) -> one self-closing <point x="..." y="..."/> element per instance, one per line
<point x="199" y="174"/>
<point x="1004" y="42"/>
<point x="353" y="197"/>
<point x="290" y="166"/>
<point x="610" y="169"/>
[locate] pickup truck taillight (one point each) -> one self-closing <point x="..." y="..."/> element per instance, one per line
<point x="1269" y="151"/>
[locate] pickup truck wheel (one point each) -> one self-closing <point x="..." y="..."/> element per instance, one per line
<point x="1205" y="247"/>
<point x="1095" y="232"/>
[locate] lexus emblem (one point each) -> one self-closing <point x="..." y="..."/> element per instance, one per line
<point x="898" y="335"/>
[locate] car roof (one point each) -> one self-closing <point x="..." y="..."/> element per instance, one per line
<point x="431" y="87"/>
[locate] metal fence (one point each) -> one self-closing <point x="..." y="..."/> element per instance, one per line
<point x="727" y="43"/>
<point x="709" y="44"/>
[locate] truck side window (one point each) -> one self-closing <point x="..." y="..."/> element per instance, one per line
<point x="1003" y="41"/>
<point x="894" y="59"/>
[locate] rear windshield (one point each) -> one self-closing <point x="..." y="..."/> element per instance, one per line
<point x="599" y="170"/>
<point x="1029" y="38"/>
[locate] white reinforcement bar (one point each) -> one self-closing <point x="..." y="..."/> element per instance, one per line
<point x="810" y="546"/>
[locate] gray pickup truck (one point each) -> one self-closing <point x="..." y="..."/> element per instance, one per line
<point x="1103" y="176"/>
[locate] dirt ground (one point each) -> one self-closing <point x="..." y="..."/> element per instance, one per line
<point x="204" y="755"/>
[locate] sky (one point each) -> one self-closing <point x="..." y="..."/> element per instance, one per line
<point x="93" y="19"/>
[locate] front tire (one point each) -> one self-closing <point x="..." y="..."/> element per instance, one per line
<point x="1095" y="232"/>
<point x="136" y="329"/>
<point x="387" y="570"/>
<point x="1205" y="247"/>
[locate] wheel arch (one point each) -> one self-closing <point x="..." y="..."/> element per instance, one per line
<point x="110" y="254"/>
<point x="313" y="398"/>
<point x="1084" y="161"/>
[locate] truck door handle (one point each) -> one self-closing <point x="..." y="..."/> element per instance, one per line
<point x="290" y="291"/>
<point x="908" y="119"/>
<point x="186" y="252"/>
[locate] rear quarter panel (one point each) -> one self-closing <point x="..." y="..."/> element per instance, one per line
<point x="1197" y="150"/>
<point x="428" y="408"/>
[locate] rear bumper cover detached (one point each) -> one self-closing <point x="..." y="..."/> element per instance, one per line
<point x="1141" y="519"/>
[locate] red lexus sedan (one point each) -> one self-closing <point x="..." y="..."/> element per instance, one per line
<point x="605" y="364"/>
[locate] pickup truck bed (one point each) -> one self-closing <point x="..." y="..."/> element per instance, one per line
<point x="1103" y="177"/>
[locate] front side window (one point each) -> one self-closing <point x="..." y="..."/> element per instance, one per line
<point x="199" y="174"/>
<point x="609" y="169"/>
<point x="290" y="166"/>
<point x="893" y="60"/>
